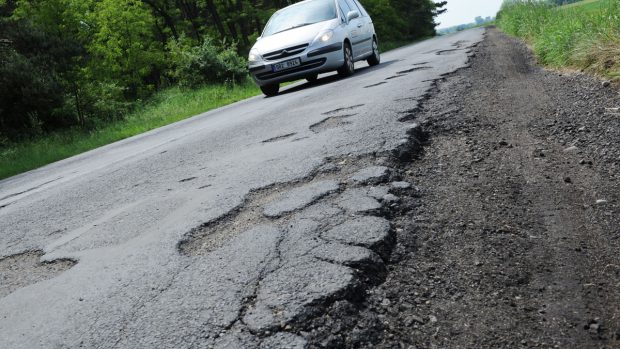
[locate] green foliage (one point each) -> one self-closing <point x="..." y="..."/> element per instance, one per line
<point x="403" y="20"/>
<point x="206" y="63"/>
<point x="583" y="36"/>
<point x="123" y="47"/>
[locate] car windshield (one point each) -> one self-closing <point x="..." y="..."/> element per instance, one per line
<point x="300" y="15"/>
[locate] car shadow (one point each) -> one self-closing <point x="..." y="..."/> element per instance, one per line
<point x="328" y="79"/>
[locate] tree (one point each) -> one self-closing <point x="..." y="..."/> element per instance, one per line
<point x="123" y="48"/>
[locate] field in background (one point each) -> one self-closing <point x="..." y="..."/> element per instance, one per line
<point x="583" y="35"/>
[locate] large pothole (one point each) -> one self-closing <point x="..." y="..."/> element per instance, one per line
<point x="24" y="269"/>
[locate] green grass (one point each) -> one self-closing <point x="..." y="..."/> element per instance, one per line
<point x="583" y="36"/>
<point x="164" y="108"/>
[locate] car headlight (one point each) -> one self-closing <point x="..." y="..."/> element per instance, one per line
<point x="254" y="56"/>
<point x="326" y="36"/>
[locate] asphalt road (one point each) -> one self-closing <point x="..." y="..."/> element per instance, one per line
<point x="228" y="229"/>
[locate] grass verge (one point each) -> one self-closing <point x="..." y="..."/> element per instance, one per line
<point x="166" y="107"/>
<point x="583" y="36"/>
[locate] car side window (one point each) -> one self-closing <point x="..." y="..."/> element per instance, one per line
<point x="361" y="8"/>
<point x="343" y="15"/>
<point x="344" y="6"/>
<point x="352" y="6"/>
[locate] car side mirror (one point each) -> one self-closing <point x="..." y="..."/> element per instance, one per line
<point x="352" y="15"/>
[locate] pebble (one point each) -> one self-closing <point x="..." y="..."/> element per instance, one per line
<point x="432" y="318"/>
<point x="601" y="201"/>
<point x="571" y="148"/>
<point x="401" y="185"/>
<point x="606" y="83"/>
<point x="390" y="198"/>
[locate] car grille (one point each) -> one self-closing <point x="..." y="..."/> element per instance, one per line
<point x="287" y="52"/>
<point x="304" y="66"/>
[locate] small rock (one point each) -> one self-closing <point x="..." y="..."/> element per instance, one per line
<point x="401" y="185"/>
<point x="606" y="83"/>
<point x="585" y="162"/>
<point x="386" y="302"/>
<point x="567" y="180"/>
<point x="570" y="149"/>
<point x="601" y="201"/>
<point x="411" y="319"/>
<point x="581" y="129"/>
<point x="432" y="318"/>
<point x="390" y="198"/>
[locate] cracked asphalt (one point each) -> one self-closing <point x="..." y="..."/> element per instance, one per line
<point x="234" y="228"/>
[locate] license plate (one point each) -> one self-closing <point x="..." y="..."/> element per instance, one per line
<point x="286" y="65"/>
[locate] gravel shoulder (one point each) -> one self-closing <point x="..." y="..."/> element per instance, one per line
<point x="509" y="237"/>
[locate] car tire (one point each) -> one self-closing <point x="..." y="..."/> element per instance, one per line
<point x="270" y="90"/>
<point x="312" y="78"/>
<point x="348" y="68"/>
<point x="375" y="58"/>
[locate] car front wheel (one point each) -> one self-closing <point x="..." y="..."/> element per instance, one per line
<point x="375" y="58"/>
<point x="348" y="68"/>
<point x="270" y="90"/>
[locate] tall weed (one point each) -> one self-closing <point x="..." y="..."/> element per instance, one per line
<point x="583" y="36"/>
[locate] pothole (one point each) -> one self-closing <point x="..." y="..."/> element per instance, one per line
<point x="377" y="84"/>
<point x="336" y="111"/>
<point x="279" y="138"/>
<point x="331" y="122"/>
<point x="252" y="212"/>
<point x="413" y="69"/>
<point x="448" y="52"/>
<point x="24" y="269"/>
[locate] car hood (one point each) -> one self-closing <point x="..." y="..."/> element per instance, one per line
<point x="292" y="37"/>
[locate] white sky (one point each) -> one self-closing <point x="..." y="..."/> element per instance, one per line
<point x="464" y="11"/>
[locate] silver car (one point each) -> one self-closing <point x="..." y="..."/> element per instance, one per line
<point x="312" y="37"/>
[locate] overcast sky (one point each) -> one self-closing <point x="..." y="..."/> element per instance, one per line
<point x="464" y="11"/>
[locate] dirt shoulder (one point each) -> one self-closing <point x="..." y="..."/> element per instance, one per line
<point x="511" y="236"/>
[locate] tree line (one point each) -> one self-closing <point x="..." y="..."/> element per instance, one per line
<point x="77" y="63"/>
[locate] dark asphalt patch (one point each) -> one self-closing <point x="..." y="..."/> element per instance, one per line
<point x="447" y="52"/>
<point x="343" y="109"/>
<point x="279" y="138"/>
<point x="377" y="84"/>
<point x="413" y="69"/>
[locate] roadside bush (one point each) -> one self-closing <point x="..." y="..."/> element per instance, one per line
<point x="29" y="95"/>
<point x="207" y="63"/>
